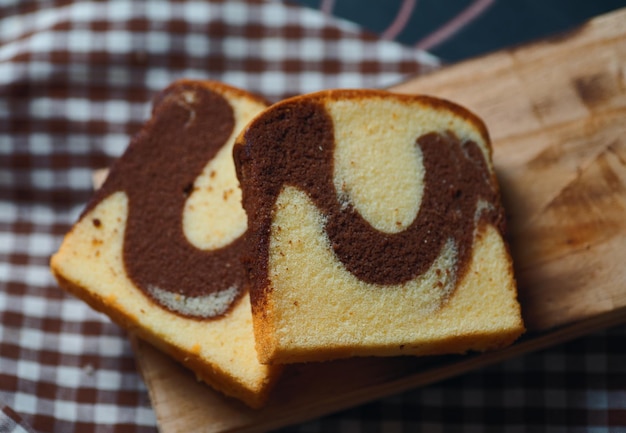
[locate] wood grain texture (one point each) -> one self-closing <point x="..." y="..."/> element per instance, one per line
<point x="556" y="110"/>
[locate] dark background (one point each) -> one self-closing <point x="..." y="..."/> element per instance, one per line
<point x="504" y="23"/>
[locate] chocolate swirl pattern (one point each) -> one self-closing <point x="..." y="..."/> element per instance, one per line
<point x="296" y="148"/>
<point x="190" y="125"/>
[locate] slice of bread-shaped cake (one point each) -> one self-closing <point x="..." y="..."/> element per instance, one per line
<point x="375" y="229"/>
<point x="159" y="246"/>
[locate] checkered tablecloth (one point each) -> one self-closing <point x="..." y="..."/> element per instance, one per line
<point x="76" y="80"/>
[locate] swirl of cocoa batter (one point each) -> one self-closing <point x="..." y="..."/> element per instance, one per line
<point x="293" y="144"/>
<point x="189" y="125"/>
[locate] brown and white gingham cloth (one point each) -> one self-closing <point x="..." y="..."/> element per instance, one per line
<point x="76" y="80"/>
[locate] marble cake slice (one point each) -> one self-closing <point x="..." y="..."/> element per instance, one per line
<point x="159" y="246"/>
<point x="375" y="229"/>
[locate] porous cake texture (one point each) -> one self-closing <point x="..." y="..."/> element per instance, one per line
<point x="375" y="229"/>
<point x="159" y="246"/>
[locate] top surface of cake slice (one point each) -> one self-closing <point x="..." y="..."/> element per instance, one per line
<point x="159" y="246"/>
<point x="375" y="227"/>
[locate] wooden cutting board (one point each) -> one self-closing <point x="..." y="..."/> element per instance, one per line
<point x="556" y="110"/>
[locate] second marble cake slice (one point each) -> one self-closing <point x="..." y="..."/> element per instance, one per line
<point x="159" y="246"/>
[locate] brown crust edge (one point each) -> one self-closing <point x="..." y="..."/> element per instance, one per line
<point x="448" y="346"/>
<point x="217" y="86"/>
<point x="432" y="101"/>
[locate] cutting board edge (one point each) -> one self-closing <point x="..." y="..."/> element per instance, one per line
<point x="528" y="344"/>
